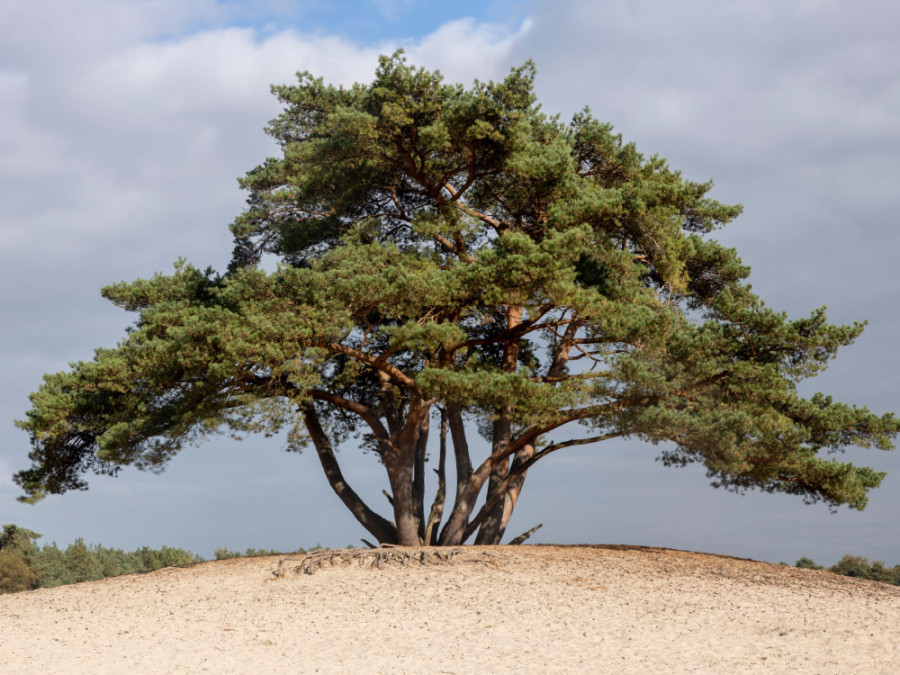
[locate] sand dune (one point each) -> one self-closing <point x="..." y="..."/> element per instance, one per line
<point x="535" y="609"/>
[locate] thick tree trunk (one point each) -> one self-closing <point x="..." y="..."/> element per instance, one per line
<point x="405" y="511"/>
<point x="489" y="533"/>
<point x="454" y="532"/>
<point x="460" y="450"/>
<point x="514" y="489"/>
<point x="404" y="477"/>
<point x="381" y="528"/>
<point x="492" y="527"/>
<point x="464" y="501"/>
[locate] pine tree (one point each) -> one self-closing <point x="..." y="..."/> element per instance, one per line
<point x="453" y="256"/>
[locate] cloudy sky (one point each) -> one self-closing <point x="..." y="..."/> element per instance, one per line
<point x="124" y="124"/>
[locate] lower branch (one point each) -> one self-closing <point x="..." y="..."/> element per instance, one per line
<point x="489" y="534"/>
<point x="520" y="470"/>
<point x="381" y="528"/>
<point x="511" y="495"/>
<point x="522" y="537"/>
<point x="466" y="492"/>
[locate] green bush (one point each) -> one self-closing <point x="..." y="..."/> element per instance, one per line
<point x="808" y="564"/>
<point x="852" y="566"/>
<point x="855" y="566"/>
<point x="858" y="567"/>
<point x="19" y="541"/>
<point x="15" y="575"/>
<point x="225" y="554"/>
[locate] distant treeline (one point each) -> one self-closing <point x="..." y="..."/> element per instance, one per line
<point x="855" y="566"/>
<point x="24" y="565"/>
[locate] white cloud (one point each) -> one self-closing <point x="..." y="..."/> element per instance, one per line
<point x="714" y="72"/>
<point x="140" y="138"/>
<point x="27" y="151"/>
<point x="464" y="50"/>
<point x="215" y="73"/>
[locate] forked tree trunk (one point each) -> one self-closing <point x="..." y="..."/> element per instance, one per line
<point x="406" y="467"/>
<point x="491" y="527"/>
<point x="404" y="462"/>
<point x="514" y="489"/>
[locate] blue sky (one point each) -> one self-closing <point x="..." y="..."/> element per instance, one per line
<point x="372" y="22"/>
<point x="123" y="126"/>
<point x="365" y="22"/>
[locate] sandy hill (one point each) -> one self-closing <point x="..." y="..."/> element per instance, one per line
<point x="533" y="609"/>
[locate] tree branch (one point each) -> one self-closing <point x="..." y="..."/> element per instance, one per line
<point x="520" y="470"/>
<point x="364" y="412"/>
<point x="380" y="527"/>
<point x="381" y="362"/>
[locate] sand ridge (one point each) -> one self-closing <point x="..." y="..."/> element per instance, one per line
<point x="534" y="609"/>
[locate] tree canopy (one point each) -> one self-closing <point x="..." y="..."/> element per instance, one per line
<point x="454" y="257"/>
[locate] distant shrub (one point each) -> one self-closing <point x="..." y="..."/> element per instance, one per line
<point x="19" y="541"/>
<point x="225" y="554"/>
<point x="808" y="564"/>
<point x="859" y="568"/>
<point x="855" y="566"/>
<point x="148" y="559"/>
<point x="15" y="575"/>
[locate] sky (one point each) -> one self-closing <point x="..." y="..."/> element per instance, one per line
<point x="125" y="123"/>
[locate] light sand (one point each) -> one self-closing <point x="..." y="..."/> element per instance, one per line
<point x="534" y="609"/>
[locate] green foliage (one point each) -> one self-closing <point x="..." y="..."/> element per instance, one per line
<point x="859" y="567"/>
<point x="856" y="566"/>
<point x="15" y="574"/>
<point x="225" y="554"/>
<point x="20" y="542"/>
<point x="50" y="566"/>
<point x="808" y="564"/>
<point x="83" y="562"/>
<point x="454" y="251"/>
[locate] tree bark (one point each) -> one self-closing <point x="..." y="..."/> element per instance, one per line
<point x="460" y="450"/>
<point x="419" y="474"/>
<point x="381" y="528"/>
<point x="492" y="527"/>
<point x="401" y="469"/>
<point x="437" y="507"/>
<point x="404" y="507"/>
<point x="514" y="489"/>
<point x="489" y="532"/>
<point x="454" y="532"/>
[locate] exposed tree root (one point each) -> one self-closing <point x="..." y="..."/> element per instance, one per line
<point x="380" y="558"/>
